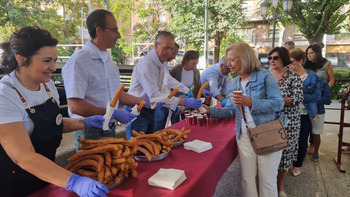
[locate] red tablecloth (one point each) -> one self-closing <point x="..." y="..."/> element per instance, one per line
<point x="203" y="170"/>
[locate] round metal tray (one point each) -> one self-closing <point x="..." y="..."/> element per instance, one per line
<point x="179" y="143"/>
<point x="154" y="157"/>
<point x="111" y="186"/>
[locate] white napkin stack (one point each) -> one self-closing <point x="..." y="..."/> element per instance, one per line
<point x="198" y="146"/>
<point x="167" y="178"/>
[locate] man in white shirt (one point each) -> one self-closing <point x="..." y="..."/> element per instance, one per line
<point x="161" y="115"/>
<point x="147" y="81"/>
<point x="217" y="75"/>
<point x="91" y="77"/>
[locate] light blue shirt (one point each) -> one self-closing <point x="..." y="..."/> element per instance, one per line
<point x="217" y="81"/>
<point x="266" y="96"/>
<point x="90" y="74"/>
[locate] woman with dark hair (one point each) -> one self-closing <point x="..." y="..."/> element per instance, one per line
<point x="292" y="93"/>
<point x="308" y="109"/>
<point x="324" y="69"/>
<point x="31" y="125"/>
<point x="187" y="73"/>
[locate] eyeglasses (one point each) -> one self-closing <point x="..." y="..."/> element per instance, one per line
<point x="116" y="30"/>
<point x="273" y="58"/>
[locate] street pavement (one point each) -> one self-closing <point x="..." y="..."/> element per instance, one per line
<point x="317" y="179"/>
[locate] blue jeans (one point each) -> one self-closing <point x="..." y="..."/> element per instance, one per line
<point x="305" y="130"/>
<point x="161" y="116"/>
<point x="144" y="122"/>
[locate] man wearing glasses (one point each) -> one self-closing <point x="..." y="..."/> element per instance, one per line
<point x="217" y="75"/>
<point x="91" y="77"/>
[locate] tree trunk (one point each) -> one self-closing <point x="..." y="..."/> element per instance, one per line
<point x="218" y="38"/>
<point x="318" y="39"/>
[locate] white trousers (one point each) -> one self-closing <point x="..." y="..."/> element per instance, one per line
<point x="266" y="166"/>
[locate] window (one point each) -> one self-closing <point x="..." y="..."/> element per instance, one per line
<point x="245" y="34"/>
<point x="277" y="31"/>
<point x="248" y="8"/>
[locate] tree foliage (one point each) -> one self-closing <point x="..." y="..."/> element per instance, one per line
<point x="315" y="18"/>
<point x="188" y="21"/>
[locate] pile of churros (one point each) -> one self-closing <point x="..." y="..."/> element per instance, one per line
<point x="150" y="144"/>
<point x="173" y="135"/>
<point x="106" y="160"/>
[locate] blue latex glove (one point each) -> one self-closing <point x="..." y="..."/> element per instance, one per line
<point x="224" y="102"/>
<point x="189" y="94"/>
<point x="122" y="116"/>
<point x="93" y="121"/>
<point x="192" y="103"/>
<point x="160" y="105"/>
<point x="85" y="186"/>
<point x="148" y="102"/>
<point x="207" y="93"/>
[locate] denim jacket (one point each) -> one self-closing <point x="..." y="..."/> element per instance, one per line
<point x="326" y="96"/>
<point x="266" y="96"/>
<point x="312" y="93"/>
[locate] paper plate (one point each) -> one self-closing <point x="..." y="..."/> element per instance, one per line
<point x="154" y="157"/>
<point x="178" y="143"/>
<point x="111" y="186"/>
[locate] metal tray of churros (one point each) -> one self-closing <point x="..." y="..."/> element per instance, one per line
<point x="154" y="157"/>
<point x="113" y="185"/>
<point x="178" y="143"/>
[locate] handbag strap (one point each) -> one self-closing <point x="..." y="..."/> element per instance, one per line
<point x="285" y="77"/>
<point x="242" y="111"/>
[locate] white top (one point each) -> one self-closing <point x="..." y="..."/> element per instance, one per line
<point x="187" y="77"/>
<point x="91" y="75"/>
<point x="171" y="82"/>
<point x="147" y="79"/>
<point x="217" y="81"/>
<point x="247" y="113"/>
<point x="12" y="108"/>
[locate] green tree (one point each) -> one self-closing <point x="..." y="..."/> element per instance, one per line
<point x="188" y="21"/>
<point x="318" y="17"/>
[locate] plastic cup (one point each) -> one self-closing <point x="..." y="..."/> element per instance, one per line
<point x="237" y="92"/>
<point x="199" y="120"/>
<point x="210" y="122"/>
<point x="190" y="119"/>
<point x="194" y="120"/>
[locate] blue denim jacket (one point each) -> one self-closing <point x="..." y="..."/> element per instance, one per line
<point x="262" y="88"/>
<point x="326" y="96"/>
<point x="312" y="93"/>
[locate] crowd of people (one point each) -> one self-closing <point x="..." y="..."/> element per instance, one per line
<point x="295" y="89"/>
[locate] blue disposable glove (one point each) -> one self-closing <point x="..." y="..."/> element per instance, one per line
<point x="148" y="102"/>
<point x="160" y="105"/>
<point x="189" y="94"/>
<point x="192" y="103"/>
<point x="224" y="102"/>
<point x="122" y="116"/>
<point x="85" y="186"/>
<point x="207" y="93"/>
<point x="93" y="121"/>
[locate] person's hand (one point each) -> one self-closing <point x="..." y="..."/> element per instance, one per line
<point x="160" y="105"/>
<point x="224" y="102"/>
<point x="242" y="100"/>
<point x="148" y="102"/>
<point x="85" y="186"/>
<point x="122" y="116"/>
<point x="93" y="121"/>
<point x="192" y="103"/>
<point x="207" y="93"/>
<point x="189" y="94"/>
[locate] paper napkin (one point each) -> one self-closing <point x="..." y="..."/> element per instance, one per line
<point x="167" y="178"/>
<point x="198" y="146"/>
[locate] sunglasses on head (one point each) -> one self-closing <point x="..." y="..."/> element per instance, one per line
<point x="273" y="58"/>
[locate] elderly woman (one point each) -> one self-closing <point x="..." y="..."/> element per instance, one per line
<point x="308" y="109"/>
<point x="261" y="99"/>
<point x="187" y="73"/>
<point x="292" y="93"/>
<point x="31" y="125"/>
<point x="324" y="69"/>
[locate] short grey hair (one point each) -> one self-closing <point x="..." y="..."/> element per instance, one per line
<point x="162" y="34"/>
<point x="223" y="61"/>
